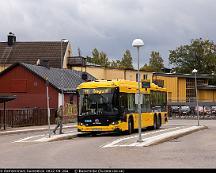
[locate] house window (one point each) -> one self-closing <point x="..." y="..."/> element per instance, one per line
<point x="190" y="90"/>
<point x="136" y="77"/>
<point x="159" y="82"/>
<point x="145" y="76"/>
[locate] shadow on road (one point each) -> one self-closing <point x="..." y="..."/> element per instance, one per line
<point x="107" y="134"/>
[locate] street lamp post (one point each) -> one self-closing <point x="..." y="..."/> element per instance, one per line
<point x="138" y="43"/>
<point x="195" y="72"/>
<point x="62" y="60"/>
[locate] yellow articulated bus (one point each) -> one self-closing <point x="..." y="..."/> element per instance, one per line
<point x="109" y="106"/>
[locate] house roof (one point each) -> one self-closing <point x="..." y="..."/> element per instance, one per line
<point x="30" y="52"/>
<point x="206" y="87"/>
<point x="6" y="98"/>
<point x="180" y="75"/>
<point x="61" y="79"/>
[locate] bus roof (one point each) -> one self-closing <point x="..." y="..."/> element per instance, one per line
<point x="124" y="85"/>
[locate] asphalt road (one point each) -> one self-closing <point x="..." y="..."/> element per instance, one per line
<point x="196" y="150"/>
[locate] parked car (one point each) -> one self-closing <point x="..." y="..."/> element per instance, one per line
<point x="184" y="110"/>
<point x="206" y="110"/>
<point x="213" y="110"/>
<point x="174" y="109"/>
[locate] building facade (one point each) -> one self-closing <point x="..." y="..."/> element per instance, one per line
<point x="181" y="87"/>
<point x="105" y="73"/>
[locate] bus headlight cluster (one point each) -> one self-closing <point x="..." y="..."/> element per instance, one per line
<point x="114" y="122"/>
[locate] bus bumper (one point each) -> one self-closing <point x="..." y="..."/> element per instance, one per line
<point x="110" y="128"/>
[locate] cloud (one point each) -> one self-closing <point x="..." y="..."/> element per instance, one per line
<point x="110" y="25"/>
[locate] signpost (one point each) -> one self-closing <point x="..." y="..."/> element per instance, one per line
<point x="48" y="108"/>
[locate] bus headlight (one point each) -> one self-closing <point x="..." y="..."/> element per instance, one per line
<point x="114" y="122"/>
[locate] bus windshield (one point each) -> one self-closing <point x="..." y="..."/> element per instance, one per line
<point x="98" y="101"/>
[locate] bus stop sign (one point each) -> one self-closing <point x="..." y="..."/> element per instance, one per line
<point x="145" y="84"/>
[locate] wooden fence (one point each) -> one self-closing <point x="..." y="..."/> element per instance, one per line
<point x="26" y="117"/>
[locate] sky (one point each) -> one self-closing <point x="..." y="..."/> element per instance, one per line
<point x="111" y="25"/>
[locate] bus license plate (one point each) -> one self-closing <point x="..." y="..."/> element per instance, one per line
<point x="96" y="129"/>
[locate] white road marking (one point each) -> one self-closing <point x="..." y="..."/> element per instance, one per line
<point x="114" y="143"/>
<point x="56" y="137"/>
<point x="44" y="137"/>
<point x="32" y="130"/>
<point x="27" y="138"/>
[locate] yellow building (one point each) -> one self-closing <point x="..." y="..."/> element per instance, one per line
<point x="181" y="87"/>
<point x="103" y="73"/>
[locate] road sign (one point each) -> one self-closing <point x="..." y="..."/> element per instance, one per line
<point x="145" y="83"/>
<point x="136" y="99"/>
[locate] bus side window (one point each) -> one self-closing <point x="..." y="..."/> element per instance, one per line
<point x="131" y="102"/>
<point x="146" y="103"/>
<point x="123" y="100"/>
<point x="153" y="99"/>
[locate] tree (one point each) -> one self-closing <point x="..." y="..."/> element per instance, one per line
<point x="103" y="60"/>
<point x="89" y="59"/>
<point x="200" y="55"/>
<point x="156" y="61"/>
<point x="147" y="68"/>
<point x="115" y="64"/>
<point x="126" y="61"/>
<point x="95" y="56"/>
<point x="100" y="58"/>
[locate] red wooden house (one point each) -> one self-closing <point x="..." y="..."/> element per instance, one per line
<point x="28" y="82"/>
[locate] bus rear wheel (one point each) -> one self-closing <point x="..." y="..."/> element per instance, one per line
<point x="158" y="125"/>
<point x="155" y="123"/>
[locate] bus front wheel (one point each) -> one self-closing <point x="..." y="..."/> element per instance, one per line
<point x="93" y="133"/>
<point x="130" y="126"/>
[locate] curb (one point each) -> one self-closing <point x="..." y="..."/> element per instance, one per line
<point x="31" y="130"/>
<point x="175" y="136"/>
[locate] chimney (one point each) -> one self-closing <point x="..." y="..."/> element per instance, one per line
<point x="38" y="62"/>
<point x="43" y="62"/>
<point x="84" y="76"/>
<point x="11" y="39"/>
